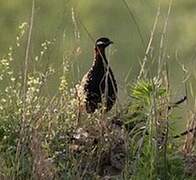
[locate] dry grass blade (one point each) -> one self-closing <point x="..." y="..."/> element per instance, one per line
<point x="29" y="38"/>
<point x="149" y="44"/>
<point x="135" y="22"/>
<point x="163" y="37"/>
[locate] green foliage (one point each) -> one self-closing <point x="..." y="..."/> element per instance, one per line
<point x="37" y="127"/>
<point x="49" y="123"/>
<point x="143" y="91"/>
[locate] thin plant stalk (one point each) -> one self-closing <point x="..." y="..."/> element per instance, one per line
<point x="29" y="38"/>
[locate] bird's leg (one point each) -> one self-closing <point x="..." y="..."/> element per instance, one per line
<point x="103" y="123"/>
<point x="78" y="108"/>
<point x="78" y="114"/>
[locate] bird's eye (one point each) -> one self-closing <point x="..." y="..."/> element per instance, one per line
<point x="100" y="43"/>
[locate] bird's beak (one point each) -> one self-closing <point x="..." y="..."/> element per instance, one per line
<point x="111" y="42"/>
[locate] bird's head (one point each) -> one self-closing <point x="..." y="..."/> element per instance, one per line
<point x="103" y="42"/>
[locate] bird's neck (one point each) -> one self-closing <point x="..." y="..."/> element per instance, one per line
<point x="100" y="57"/>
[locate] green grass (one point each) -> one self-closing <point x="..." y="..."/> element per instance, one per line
<point x="40" y="137"/>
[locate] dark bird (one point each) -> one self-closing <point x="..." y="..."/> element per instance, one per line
<point x="98" y="86"/>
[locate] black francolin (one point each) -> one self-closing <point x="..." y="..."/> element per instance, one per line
<point x="98" y="87"/>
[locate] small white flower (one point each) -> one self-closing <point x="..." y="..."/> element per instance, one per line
<point x="36" y="58"/>
<point x="3" y="100"/>
<point x="13" y="79"/>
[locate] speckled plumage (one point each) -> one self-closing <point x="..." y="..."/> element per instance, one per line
<point x="98" y="84"/>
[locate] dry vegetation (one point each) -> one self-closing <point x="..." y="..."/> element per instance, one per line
<point x="40" y="137"/>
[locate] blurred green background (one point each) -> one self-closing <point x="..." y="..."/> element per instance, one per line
<point x="54" y="20"/>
